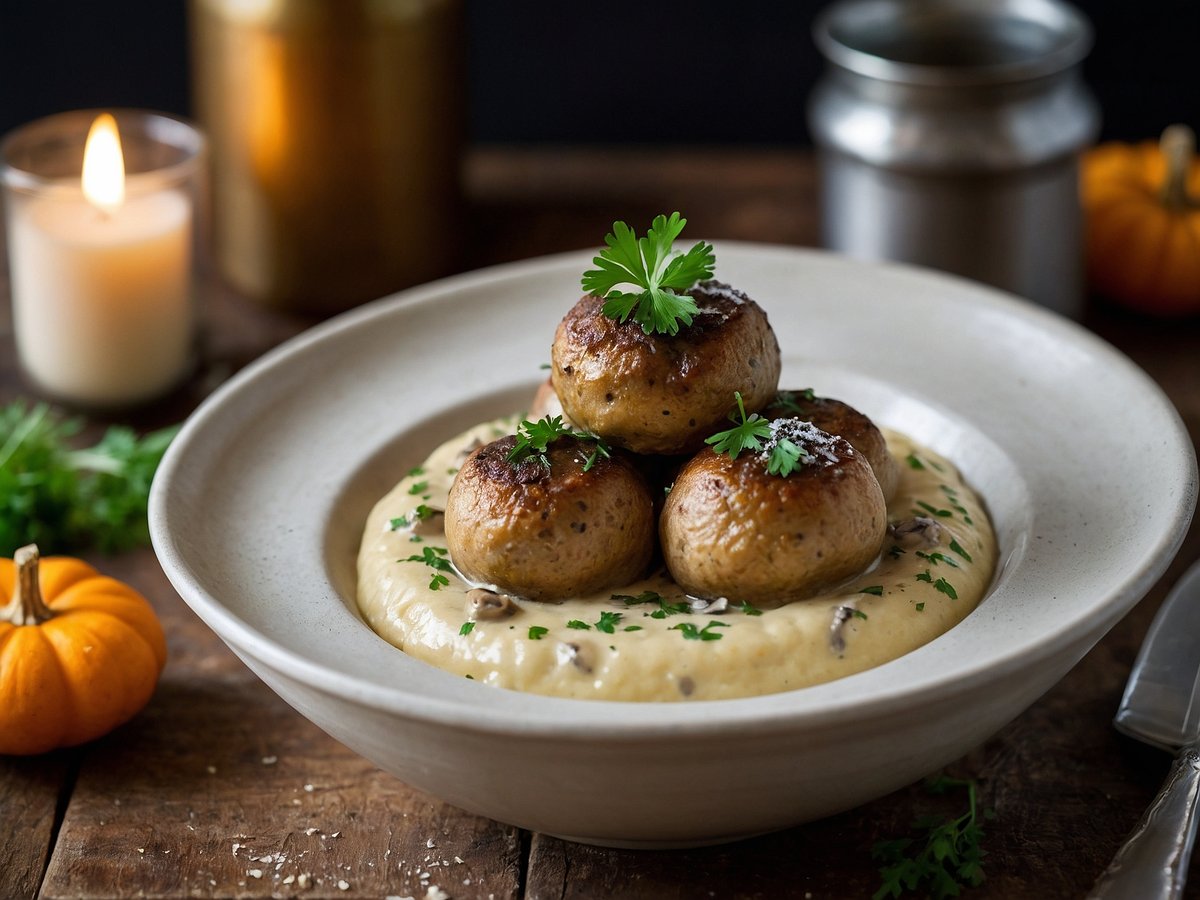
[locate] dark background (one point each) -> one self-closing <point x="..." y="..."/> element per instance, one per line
<point x="629" y="71"/>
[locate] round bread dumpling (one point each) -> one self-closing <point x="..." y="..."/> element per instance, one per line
<point x="656" y="393"/>
<point x="731" y="529"/>
<point x="549" y="532"/>
<point x="845" y="421"/>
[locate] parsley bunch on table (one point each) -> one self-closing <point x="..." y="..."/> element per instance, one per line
<point x="945" y="859"/>
<point x="67" y="499"/>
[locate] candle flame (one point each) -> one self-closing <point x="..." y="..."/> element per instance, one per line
<point x="103" y="165"/>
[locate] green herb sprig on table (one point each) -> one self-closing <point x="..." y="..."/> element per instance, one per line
<point x="945" y="859"/>
<point x="649" y="263"/>
<point x="72" y="500"/>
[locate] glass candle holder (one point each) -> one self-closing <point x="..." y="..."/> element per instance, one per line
<point x="335" y="132"/>
<point x="103" y="269"/>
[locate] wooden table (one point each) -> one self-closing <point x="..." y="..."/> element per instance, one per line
<point x="218" y="789"/>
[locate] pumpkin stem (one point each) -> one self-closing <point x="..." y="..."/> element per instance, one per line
<point x="1178" y="143"/>
<point x="27" y="606"/>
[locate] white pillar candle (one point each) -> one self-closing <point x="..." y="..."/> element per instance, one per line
<point x="101" y="301"/>
<point x="101" y="287"/>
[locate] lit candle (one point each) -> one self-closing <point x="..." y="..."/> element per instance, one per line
<point x="101" y="271"/>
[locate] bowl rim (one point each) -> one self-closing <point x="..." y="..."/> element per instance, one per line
<point x="778" y="713"/>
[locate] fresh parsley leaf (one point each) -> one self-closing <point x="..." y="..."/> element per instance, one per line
<point x="790" y="401"/>
<point x="73" y="500"/>
<point x="579" y="625"/>
<point x="692" y="633"/>
<point x="632" y="628"/>
<point x="914" y="462"/>
<point x="957" y="548"/>
<point x="785" y="457"/>
<point x="435" y="558"/>
<point x="418" y="487"/>
<point x="948" y="853"/>
<point x="933" y="510"/>
<point x="937" y="557"/>
<point x="651" y="265"/>
<point x="940" y="584"/>
<point x="748" y="433"/>
<point x="749" y="609"/>
<point x="536" y="632"/>
<point x="875" y="589"/>
<point x="420" y="513"/>
<point x="920" y="607"/>
<point x="467" y="628"/>
<point x="608" y="621"/>
<point x="534" y="438"/>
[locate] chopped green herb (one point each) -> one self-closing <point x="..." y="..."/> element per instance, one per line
<point x="608" y="621"/>
<point x="415" y="471"/>
<point x="632" y="628"/>
<point x="933" y="510"/>
<point x="579" y="625"/>
<point x="643" y="597"/>
<point x="787" y="400"/>
<point x="536" y="632"/>
<point x="467" y="628"/>
<point x="914" y="462"/>
<point x="418" y="487"/>
<point x="652" y="265"/>
<point x="947" y="857"/>
<point x="469" y="677"/>
<point x="664" y="608"/>
<point x="921" y="607"/>
<point x="692" y="633"/>
<point x="858" y="613"/>
<point x="940" y="584"/>
<point x="896" y="551"/>
<point x="747" y="433"/>
<point x="416" y="539"/>
<point x="749" y="609"/>
<point x="420" y="513"/>
<point x="876" y="589"/>
<point x="957" y="548"/>
<point x="937" y="557"/>
<point x="434" y="557"/>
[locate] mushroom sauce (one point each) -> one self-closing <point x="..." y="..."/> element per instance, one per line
<point x="648" y="641"/>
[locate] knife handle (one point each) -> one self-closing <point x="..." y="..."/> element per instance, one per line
<point x="1153" y="862"/>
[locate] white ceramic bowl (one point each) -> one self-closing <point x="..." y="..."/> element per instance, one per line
<point x="257" y="510"/>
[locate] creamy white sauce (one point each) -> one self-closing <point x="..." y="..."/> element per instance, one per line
<point x="654" y="651"/>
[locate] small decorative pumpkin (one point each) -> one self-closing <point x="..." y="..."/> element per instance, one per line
<point x="1142" y="207"/>
<point x="80" y="652"/>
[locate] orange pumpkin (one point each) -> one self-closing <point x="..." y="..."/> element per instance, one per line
<point x="1143" y="222"/>
<point x="80" y="652"/>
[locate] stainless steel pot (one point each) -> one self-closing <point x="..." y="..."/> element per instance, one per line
<point x="948" y="134"/>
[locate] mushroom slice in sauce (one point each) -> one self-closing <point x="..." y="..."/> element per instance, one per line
<point x="485" y="606"/>
<point x="919" y="531"/>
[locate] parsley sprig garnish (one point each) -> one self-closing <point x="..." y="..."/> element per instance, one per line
<point x="649" y="263"/>
<point x="747" y="433"/>
<point x="535" y="438"/>
<point x="784" y="456"/>
<point x="949" y="858"/>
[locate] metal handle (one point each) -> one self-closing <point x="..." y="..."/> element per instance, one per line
<point x="1153" y="863"/>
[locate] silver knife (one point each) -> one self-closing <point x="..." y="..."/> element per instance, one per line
<point x="1161" y="706"/>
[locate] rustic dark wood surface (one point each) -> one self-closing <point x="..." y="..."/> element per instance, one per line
<point x="218" y="789"/>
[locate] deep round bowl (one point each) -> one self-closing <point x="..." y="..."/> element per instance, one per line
<point x="257" y="511"/>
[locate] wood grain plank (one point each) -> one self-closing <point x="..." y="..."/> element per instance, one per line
<point x="219" y="789"/>
<point x="30" y="789"/>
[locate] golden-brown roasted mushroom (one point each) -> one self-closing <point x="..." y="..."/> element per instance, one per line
<point x="655" y="393"/>
<point x="845" y="421"/>
<point x="731" y="529"/>
<point x="549" y="532"/>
